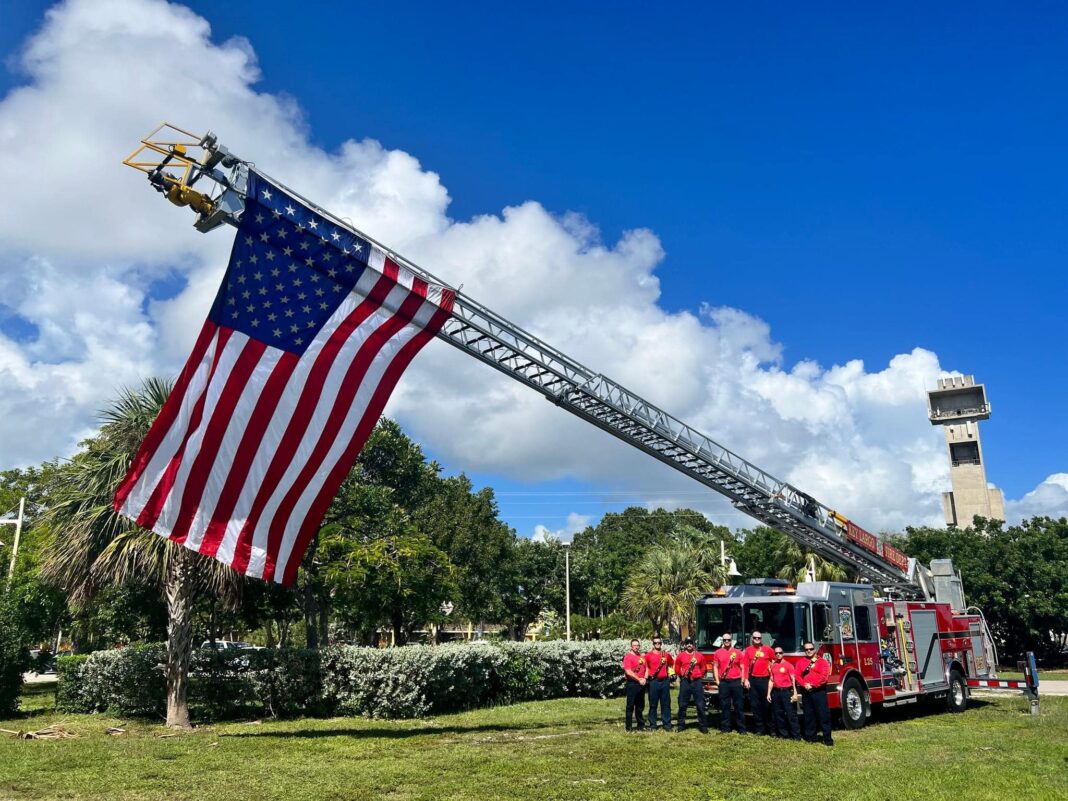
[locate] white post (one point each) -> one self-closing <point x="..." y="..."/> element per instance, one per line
<point x="722" y="554"/>
<point x="567" y="588"/>
<point x="15" y="545"/>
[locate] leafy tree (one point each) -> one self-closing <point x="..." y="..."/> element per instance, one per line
<point x="666" y="583"/>
<point x="465" y="525"/>
<point x="397" y="578"/>
<point x="765" y="552"/>
<point x="535" y="582"/>
<point x="119" y="615"/>
<point x="1018" y="576"/>
<point x="32" y="606"/>
<point x="604" y="555"/>
<point x="94" y="548"/>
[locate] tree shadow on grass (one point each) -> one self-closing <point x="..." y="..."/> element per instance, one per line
<point x="357" y="732"/>
<point x="925" y="708"/>
<point x="40" y="697"/>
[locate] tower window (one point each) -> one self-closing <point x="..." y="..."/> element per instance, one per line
<point x="964" y="453"/>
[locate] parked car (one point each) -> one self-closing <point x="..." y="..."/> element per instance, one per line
<point x="42" y="662"/>
<point x="230" y="645"/>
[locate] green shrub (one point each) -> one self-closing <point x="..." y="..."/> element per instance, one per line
<point x="409" y="682"/>
<point x="247" y="683"/>
<point x="71" y="689"/>
<point x="14" y="659"/>
<point x="290" y="682"/>
<point x="127" y="681"/>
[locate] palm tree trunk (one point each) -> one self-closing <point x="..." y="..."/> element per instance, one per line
<point x="179" y="591"/>
<point x="311" y="608"/>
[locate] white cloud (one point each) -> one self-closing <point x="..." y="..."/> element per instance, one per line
<point x="1049" y="499"/>
<point x="84" y="238"/>
<point x="575" y="524"/>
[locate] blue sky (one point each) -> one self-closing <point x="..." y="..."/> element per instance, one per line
<point x="864" y="180"/>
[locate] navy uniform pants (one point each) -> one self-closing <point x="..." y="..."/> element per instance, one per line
<point x="635" y="704"/>
<point x="785" y="714"/>
<point x="660" y="698"/>
<point x="758" y="704"/>
<point x="731" y="699"/>
<point x="817" y="714"/>
<point x="692" y="690"/>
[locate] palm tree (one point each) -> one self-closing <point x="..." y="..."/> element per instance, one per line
<point x="93" y="547"/>
<point x="795" y="564"/>
<point x="666" y="583"/>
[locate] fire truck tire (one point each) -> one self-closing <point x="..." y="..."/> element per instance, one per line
<point x="854" y="704"/>
<point x="957" y="697"/>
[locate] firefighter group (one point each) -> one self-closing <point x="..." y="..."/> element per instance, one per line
<point x="760" y="671"/>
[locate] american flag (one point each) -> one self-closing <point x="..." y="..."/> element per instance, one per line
<point x="309" y="334"/>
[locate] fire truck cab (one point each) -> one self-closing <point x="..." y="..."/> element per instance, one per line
<point x="880" y="651"/>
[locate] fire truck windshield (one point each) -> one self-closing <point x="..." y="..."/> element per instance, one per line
<point x="782" y="623"/>
<point x="715" y="619"/>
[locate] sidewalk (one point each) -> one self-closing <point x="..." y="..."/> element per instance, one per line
<point x="39" y="678"/>
<point x="1057" y="687"/>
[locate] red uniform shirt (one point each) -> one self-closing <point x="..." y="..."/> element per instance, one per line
<point x="818" y="671"/>
<point x="758" y="659"/>
<point x="781" y="673"/>
<point x="658" y="663"/>
<point x="634" y="662"/>
<point x="683" y="661"/>
<point x="731" y="663"/>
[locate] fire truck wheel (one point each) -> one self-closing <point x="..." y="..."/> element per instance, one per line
<point x="854" y="704"/>
<point x="957" y="697"/>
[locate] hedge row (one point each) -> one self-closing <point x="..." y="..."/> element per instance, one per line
<point x="408" y="682"/>
<point x="13" y="660"/>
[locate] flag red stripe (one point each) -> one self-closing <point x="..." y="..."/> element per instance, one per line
<point x="350" y="384"/>
<point x="308" y="400"/>
<point x="261" y="416"/>
<point x="150" y="512"/>
<point x="220" y="419"/>
<point x="367" y="423"/>
<point x="165" y="419"/>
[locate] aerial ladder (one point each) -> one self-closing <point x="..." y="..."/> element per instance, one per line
<point x="197" y="171"/>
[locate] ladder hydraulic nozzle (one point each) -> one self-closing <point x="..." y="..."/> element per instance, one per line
<point x="182" y="195"/>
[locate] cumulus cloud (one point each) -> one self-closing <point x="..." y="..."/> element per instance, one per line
<point x="84" y="248"/>
<point x="575" y="524"/>
<point x="1049" y="499"/>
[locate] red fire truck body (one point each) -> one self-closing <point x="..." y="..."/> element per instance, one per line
<point x="880" y="652"/>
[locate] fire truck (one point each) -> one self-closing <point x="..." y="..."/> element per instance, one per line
<point x="901" y="633"/>
<point x="881" y="652"/>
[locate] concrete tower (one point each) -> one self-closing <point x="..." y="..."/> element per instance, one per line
<point x="958" y="405"/>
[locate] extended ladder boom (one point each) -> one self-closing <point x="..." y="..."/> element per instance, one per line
<point x="494" y="340"/>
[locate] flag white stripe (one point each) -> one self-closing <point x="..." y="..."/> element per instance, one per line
<point x="231" y="439"/>
<point x="355" y="414"/>
<point x="169" y="444"/>
<point x="324" y="405"/>
<point x="283" y="412"/>
<point x="168" y="514"/>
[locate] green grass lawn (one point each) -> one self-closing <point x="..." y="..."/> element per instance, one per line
<point x="1057" y="674"/>
<point x="565" y="749"/>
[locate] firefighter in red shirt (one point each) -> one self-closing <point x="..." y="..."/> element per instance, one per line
<point x="634" y="672"/>
<point x="728" y="667"/>
<point x="758" y="659"/>
<point x="782" y="692"/>
<point x="690" y="667"/>
<point x="812" y="676"/>
<point x="658" y="662"/>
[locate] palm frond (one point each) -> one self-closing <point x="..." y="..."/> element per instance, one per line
<point x="94" y="547"/>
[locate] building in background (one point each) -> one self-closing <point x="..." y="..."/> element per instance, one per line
<point x="958" y="404"/>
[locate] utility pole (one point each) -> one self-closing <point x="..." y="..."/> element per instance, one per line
<point x="567" y="588"/>
<point x="15" y="545"/>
